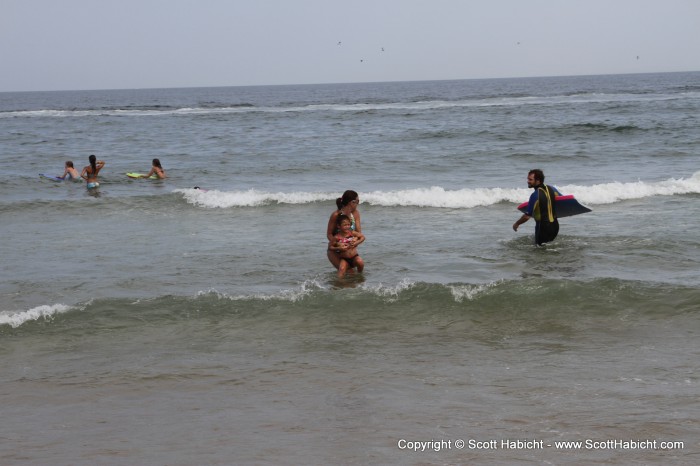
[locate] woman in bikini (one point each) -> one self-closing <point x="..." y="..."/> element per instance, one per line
<point x="345" y="244"/>
<point x="90" y="172"/>
<point x="156" y="169"/>
<point x="347" y="205"/>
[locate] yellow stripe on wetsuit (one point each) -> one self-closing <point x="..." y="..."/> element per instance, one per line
<point x="550" y="210"/>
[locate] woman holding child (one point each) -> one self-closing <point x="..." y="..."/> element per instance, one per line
<point x="347" y="207"/>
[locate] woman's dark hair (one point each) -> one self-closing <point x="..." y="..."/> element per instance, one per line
<point x="93" y="163"/>
<point x="348" y="197"/>
<point x="156" y="163"/>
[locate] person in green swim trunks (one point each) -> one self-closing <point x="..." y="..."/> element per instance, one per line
<point x="89" y="173"/>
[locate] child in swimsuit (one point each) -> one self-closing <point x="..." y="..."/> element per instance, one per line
<point x="345" y="243"/>
<point x="70" y="173"/>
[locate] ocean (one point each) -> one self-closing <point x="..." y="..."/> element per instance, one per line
<point x="148" y="322"/>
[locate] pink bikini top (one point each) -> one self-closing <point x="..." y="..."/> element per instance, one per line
<point x="347" y="239"/>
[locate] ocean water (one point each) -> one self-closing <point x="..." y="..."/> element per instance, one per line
<point x="151" y="323"/>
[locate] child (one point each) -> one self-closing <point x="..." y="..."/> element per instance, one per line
<point x="70" y="173"/>
<point x="345" y="243"/>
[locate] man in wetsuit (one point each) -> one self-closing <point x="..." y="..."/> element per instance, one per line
<point x="541" y="206"/>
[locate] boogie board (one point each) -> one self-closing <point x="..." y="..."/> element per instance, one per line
<point x="565" y="206"/>
<point x="49" y="177"/>
<point x="141" y="175"/>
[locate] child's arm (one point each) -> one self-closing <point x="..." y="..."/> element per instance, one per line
<point x="339" y="246"/>
<point x="359" y="238"/>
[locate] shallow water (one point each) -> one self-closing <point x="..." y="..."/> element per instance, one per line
<point x="153" y="323"/>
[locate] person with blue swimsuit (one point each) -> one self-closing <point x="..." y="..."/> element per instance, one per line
<point x="542" y="207"/>
<point x="89" y="173"/>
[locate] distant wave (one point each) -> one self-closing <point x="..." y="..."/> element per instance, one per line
<point x="438" y="197"/>
<point x="208" y="108"/>
<point x="599" y="127"/>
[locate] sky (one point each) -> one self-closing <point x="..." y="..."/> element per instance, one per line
<point x="129" y="44"/>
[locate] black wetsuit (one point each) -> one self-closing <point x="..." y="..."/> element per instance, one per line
<point x="547" y="227"/>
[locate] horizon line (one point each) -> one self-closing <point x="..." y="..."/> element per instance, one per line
<point x="350" y="82"/>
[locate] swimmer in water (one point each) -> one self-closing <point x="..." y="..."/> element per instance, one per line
<point x="89" y="173"/>
<point x="70" y="172"/>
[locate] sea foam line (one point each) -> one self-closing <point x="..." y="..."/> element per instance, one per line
<point x="250" y="198"/>
<point x="16" y="318"/>
<point x="311" y="287"/>
<point x="439" y="197"/>
<point x="471" y="292"/>
<point x="422" y="105"/>
<point x="291" y="295"/>
<point x="608" y="193"/>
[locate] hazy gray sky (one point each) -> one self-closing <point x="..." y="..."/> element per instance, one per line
<point x="108" y="44"/>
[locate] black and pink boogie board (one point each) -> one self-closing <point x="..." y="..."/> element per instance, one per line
<point x="565" y="206"/>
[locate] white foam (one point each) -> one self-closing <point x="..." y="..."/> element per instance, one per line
<point x="439" y="197"/>
<point x="16" y="318"/>
<point x="306" y="288"/>
<point x="470" y="292"/>
<point x="609" y="193"/>
<point x="389" y="291"/>
<point x="250" y="198"/>
<point x="291" y="295"/>
<point x="427" y="104"/>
